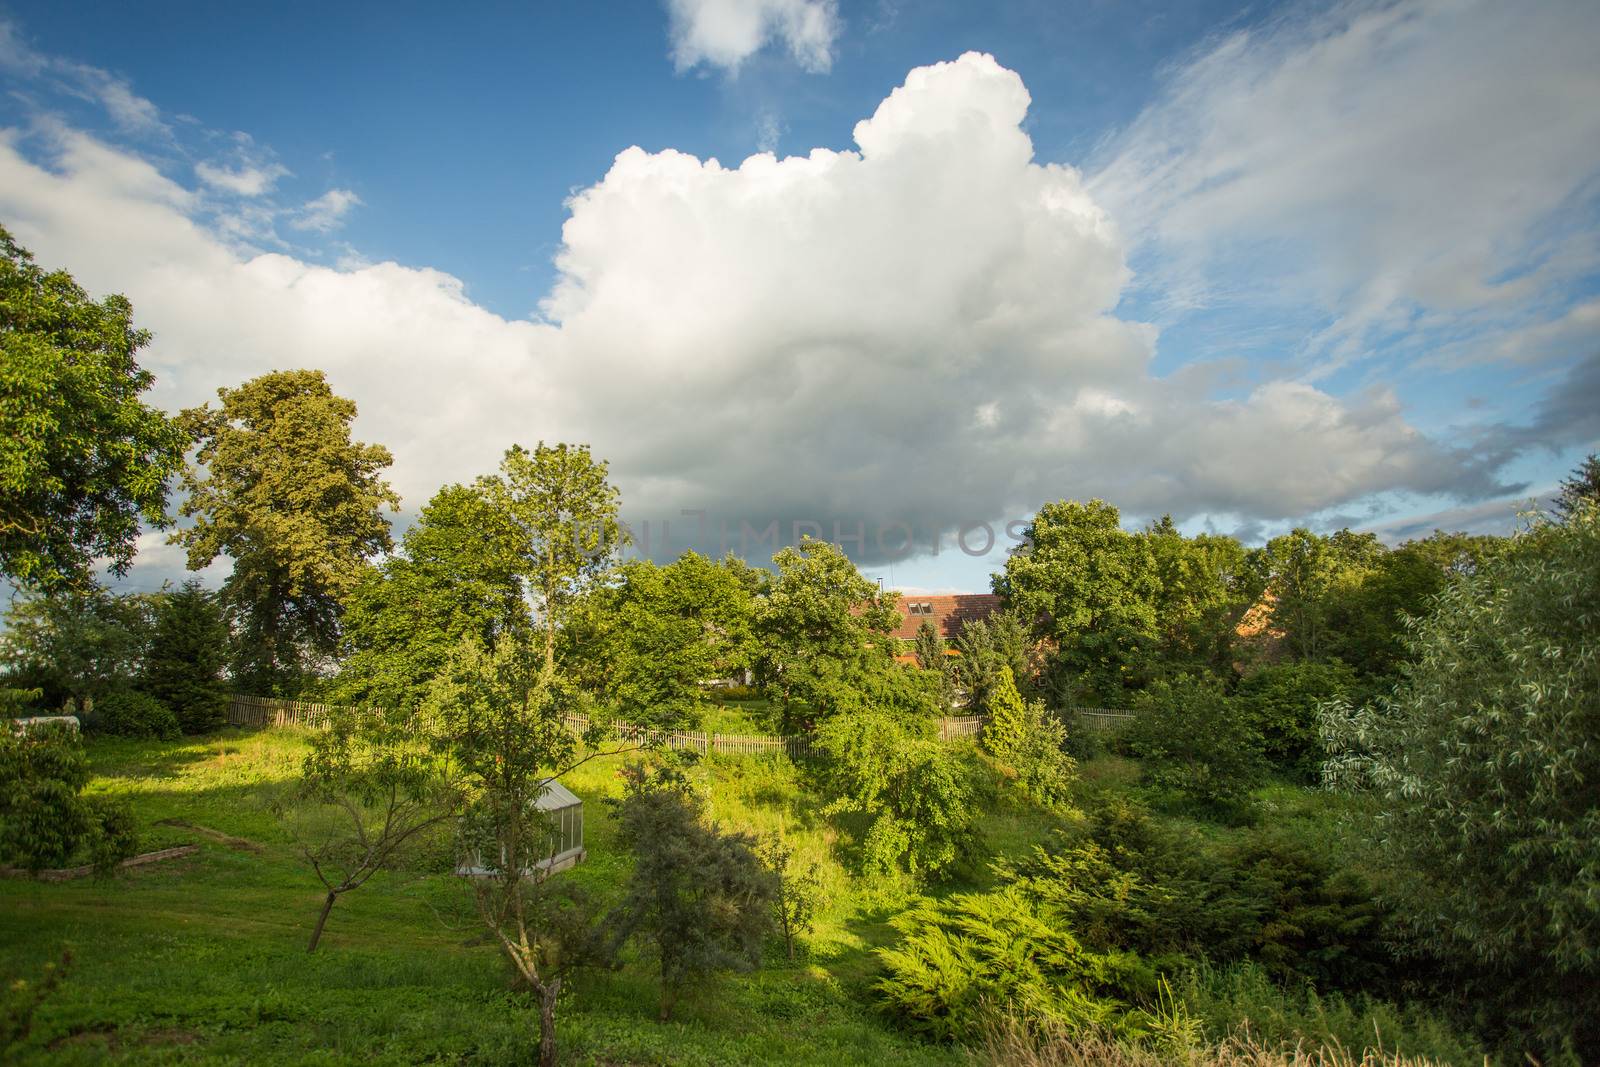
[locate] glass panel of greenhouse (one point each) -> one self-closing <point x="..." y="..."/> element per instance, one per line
<point x="564" y="847"/>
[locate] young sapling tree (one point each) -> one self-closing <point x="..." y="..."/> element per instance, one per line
<point x="372" y="784"/>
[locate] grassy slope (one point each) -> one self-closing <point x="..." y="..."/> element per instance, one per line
<point x="202" y="960"/>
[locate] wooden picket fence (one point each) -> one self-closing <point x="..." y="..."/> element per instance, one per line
<point x="271" y="711"/>
<point x="1103" y="718"/>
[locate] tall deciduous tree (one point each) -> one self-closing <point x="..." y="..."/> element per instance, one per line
<point x="825" y="632"/>
<point x="296" y="504"/>
<point x="457" y="576"/>
<point x="647" y="643"/>
<point x="82" y="460"/>
<point x="507" y="738"/>
<point x="188" y="651"/>
<point x="564" y="513"/>
<point x="1092" y="587"/>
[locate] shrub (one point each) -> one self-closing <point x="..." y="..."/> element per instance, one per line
<point x="1027" y="739"/>
<point x="1198" y="743"/>
<point x="130" y="713"/>
<point x="1283" y="701"/>
<point x="965" y="962"/>
<point x="914" y="792"/>
<point x="699" y="898"/>
<point x="44" y="819"/>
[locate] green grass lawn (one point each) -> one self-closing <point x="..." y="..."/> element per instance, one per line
<point x="202" y="959"/>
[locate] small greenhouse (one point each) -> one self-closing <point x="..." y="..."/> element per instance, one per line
<point x="564" y="848"/>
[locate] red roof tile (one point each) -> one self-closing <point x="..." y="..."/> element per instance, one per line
<point x="949" y="613"/>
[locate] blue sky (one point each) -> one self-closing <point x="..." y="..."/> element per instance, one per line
<point x="1253" y="265"/>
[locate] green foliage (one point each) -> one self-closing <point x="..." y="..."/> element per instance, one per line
<point x="824" y="633"/>
<point x="1580" y="489"/>
<point x="297" y="505"/>
<point x="82" y="460"/>
<point x="929" y="650"/>
<point x="798" y="892"/>
<point x="1198" y="742"/>
<point x="1027" y="739"/>
<point x="1307" y="575"/>
<point x="458" y="576"/>
<point x="646" y="644"/>
<point x="1006" y="727"/>
<point x="989" y="646"/>
<point x="562" y="513"/>
<point x="912" y="792"/>
<point x="372" y="784"/>
<point x="45" y="820"/>
<point x="1283" y="700"/>
<point x="1269" y="895"/>
<point x="699" y="897"/>
<point x="1206" y="584"/>
<point x="1484" y="764"/>
<point x="187" y="654"/>
<point x="76" y="644"/>
<point x="132" y="713"/>
<point x="965" y="963"/>
<point x="1244" y="999"/>
<point x="1093" y="586"/>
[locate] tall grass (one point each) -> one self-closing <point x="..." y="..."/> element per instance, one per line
<point x="1015" y="1046"/>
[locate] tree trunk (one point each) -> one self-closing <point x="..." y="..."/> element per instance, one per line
<point x="322" y="920"/>
<point x="547" y="1022"/>
<point x="668" y="998"/>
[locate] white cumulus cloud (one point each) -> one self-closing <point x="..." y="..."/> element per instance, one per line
<point x="922" y="330"/>
<point x="724" y="33"/>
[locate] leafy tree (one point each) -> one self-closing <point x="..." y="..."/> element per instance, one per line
<point x="647" y="643"/>
<point x="458" y="576"/>
<point x="82" y="460"/>
<point x="798" y="893"/>
<point x="1367" y="619"/>
<point x="698" y="896"/>
<point x="563" y="513"/>
<point x="825" y="632"/>
<point x="1206" y="584"/>
<point x="501" y="725"/>
<point x="76" y="644"/>
<point x="1484" y="766"/>
<point x="44" y="818"/>
<point x="911" y="792"/>
<point x="296" y="504"/>
<point x="1579" y="489"/>
<point x="1092" y="586"/>
<point x="1308" y="575"/>
<point x="188" y="651"/>
<point x="1198" y="742"/>
<point x="372" y="784"/>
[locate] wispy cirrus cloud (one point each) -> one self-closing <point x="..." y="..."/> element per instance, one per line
<point x="326" y="212"/>
<point x="1428" y="168"/>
